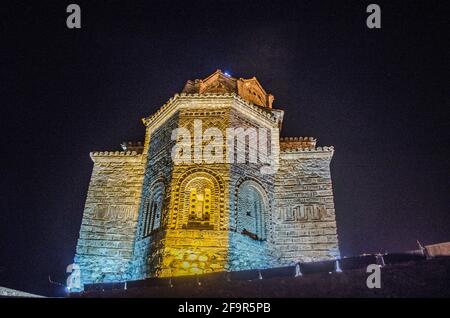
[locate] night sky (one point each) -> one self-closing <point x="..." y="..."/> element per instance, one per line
<point x="380" y="97"/>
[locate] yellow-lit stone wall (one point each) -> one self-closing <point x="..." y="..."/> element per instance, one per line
<point x="191" y="252"/>
<point x="193" y="246"/>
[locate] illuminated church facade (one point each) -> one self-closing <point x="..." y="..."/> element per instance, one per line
<point x="149" y="215"/>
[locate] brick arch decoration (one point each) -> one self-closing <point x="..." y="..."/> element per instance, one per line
<point x="179" y="217"/>
<point x="160" y="184"/>
<point x="264" y="194"/>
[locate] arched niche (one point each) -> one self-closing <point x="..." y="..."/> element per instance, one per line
<point x="199" y="200"/>
<point x="252" y="206"/>
<point x="153" y="209"/>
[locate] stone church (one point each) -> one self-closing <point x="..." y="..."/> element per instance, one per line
<point x="147" y="215"/>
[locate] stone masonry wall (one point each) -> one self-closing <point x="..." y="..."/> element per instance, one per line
<point x="148" y="250"/>
<point x="246" y="252"/>
<point x="108" y="227"/>
<point x="189" y="250"/>
<point x="304" y="220"/>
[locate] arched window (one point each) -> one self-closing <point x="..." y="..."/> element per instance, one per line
<point x="153" y="210"/>
<point x="251" y="207"/>
<point x="199" y="200"/>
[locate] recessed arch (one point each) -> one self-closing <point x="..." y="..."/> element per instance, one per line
<point x="153" y="209"/>
<point x="199" y="200"/>
<point x="252" y="208"/>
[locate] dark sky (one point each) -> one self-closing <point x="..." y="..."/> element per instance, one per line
<point x="379" y="96"/>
